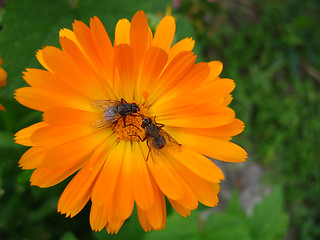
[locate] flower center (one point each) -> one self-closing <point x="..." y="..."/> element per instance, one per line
<point x="131" y="130"/>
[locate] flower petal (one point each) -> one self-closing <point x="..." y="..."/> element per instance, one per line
<point x="103" y="43"/>
<point x="218" y="117"/>
<point x="122" y="32"/>
<point x="33" y="157"/>
<point x="164" y="33"/>
<point x="47" y="177"/>
<point x="154" y="63"/>
<point x="186" y="44"/>
<point x="155" y="216"/>
<point x="215" y="70"/>
<point x="176" y="69"/>
<point x="165" y="177"/>
<point x="73" y="151"/>
<point x="200" y="165"/>
<point x="123" y="200"/>
<point x="142" y="188"/>
<point x="56" y="135"/>
<point x="206" y="192"/>
<point x="98" y="216"/>
<point x="231" y="129"/>
<point x="84" y="179"/>
<point x="23" y="137"/>
<point x="124" y="63"/>
<point x="107" y="179"/>
<point x="139" y="37"/>
<point x="63" y="116"/>
<point x="184" y="212"/>
<point x="211" y="147"/>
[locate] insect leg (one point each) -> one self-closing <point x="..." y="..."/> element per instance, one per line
<point x="148" y="151"/>
<point x="131" y="124"/>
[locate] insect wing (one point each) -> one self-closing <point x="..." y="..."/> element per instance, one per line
<point x="102" y="123"/>
<point x="103" y="105"/>
<point x="109" y="116"/>
<point x="171" y="143"/>
<point x="153" y="152"/>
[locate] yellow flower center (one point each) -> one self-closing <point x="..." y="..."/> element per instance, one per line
<point x="131" y="130"/>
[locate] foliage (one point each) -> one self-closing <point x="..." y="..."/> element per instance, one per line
<point x="268" y="222"/>
<point x="271" y="49"/>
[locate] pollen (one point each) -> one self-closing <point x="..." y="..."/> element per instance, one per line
<point x="131" y="130"/>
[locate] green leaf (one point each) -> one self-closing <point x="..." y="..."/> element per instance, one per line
<point x="69" y="236"/>
<point x="6" y="140"/>
<point x="226" y="226"/>
<point x="269" y="221"/>
<point x="29" y="25"/>
<point x="177" y="228"/>
<point x="229" y="225"/>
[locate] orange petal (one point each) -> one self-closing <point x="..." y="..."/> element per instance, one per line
<point x="91" y="69"/>
<point x="216" y="89"/>
<point x="67" y="33"/>
<point x="61" y="64"/>
<point x="3" y="77"/>
<point x="52" y="83"/>
<point x="200" y="165"/>
<point x="80" y="205"/>
<point x="176" y="69"/>
<point x="39" y="56"/>
<point x="212" y="147"/>
<point x="33" y="157"/>
<point x="63" y="116"/>
<point x="84" y="179"/>
<point x="123" y="200"/>
<point x="114" y="226"/>
<point x="184" y="212"/>
<point x="231" y="129"/>
<point x="23" y="136"/>
<point x="103" y="43"/>
<point x="142" y="188"/>
<point x="155" y="216"/>
<point x="215" y="70"/>
<point x="139" y="36"/>
<point x="206" y="192"/>
<point x="106" y="181"/>
<point x="143" y="220"/>
<point x="124" y="63"/>
<point x="84" y="37"/>
<point x="154" y="63"/>
<point x="56" y="135"/>
<point x="165" y="33"/>
<point x="122" y="32"/>
<point x="47" y="177"/>
<point x="38" y="99"/>
<point x="186" y="44"/>
<point x="73" y="151"/>
<point x="165" y="177"/>
<point x="98" y="216"/>
<point x="218" y="117"/>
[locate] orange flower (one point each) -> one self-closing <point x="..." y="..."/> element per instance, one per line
<point x="140" y="156"/>
<point x="3" y="79"/>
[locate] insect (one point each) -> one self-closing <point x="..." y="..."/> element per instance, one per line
<point x="156" y="137"/>
<point x="114" y="110"/>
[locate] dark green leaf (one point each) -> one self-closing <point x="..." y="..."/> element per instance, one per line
<point x="178" y="228"/>
<point x="269" y="221"/>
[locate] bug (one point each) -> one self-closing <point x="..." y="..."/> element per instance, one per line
<point x="156" y="137"/>
<point x="114" y="110"/>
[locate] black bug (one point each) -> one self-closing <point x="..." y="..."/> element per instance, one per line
<point x="156" y="137"/>
<point x="115" y="110"/>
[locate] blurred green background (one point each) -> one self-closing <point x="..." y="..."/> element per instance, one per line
<point x="270" y="48"/>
